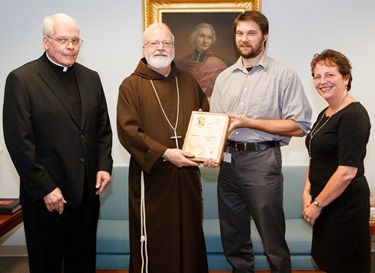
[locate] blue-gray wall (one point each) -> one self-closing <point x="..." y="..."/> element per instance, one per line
<point x="112" y="34"/>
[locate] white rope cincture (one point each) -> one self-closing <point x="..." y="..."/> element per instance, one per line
<point x="143" y="239"/>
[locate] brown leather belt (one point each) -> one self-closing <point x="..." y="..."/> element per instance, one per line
<point x="252" y="146"/>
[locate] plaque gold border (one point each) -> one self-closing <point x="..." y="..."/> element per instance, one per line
<point x="154" y="9"/>
<point x="222" y="130"/>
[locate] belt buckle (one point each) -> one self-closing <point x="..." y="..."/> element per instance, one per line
<point x="235" y="146"/>
<point x="262" y="147"/>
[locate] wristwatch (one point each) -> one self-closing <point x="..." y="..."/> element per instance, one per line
<point x="317" y="203"/>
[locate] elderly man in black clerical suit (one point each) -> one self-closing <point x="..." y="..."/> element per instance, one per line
<point x="58" y="133"/>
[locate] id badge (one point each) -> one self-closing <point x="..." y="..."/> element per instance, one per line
<point x="227" y="157"/>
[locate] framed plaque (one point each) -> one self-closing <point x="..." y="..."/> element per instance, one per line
<point x="206" y="135"/>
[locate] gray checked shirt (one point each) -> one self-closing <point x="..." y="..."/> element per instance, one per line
<point x="270" y="90"/>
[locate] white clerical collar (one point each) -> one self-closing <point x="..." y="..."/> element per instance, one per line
<point x="65" y="68"/>
<point x="198" y="56"/>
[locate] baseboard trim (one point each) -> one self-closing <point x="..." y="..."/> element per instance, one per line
<point x="13" y="251"/>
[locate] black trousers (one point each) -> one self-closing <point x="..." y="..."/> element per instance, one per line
<point x="251" y="186"/>
<point x="66" y="241"/>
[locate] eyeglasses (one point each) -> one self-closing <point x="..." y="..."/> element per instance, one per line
<point x="64" y="41"/>
<point x="155" y="44"/>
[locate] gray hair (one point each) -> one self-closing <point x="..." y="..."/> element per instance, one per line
<point x="194" y="33"/>
<point x="49" y="21"/>
<point x="155" y="26"/>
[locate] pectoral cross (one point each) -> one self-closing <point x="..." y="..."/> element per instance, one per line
<point x="176" y="137"/>
<point x="194" y="73"/>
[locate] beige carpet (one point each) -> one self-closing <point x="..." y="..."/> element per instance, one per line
<point x="20" y="265"/>
<point x="14" y="265"/>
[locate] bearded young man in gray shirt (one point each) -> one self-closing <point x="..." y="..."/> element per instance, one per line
<point x="267" y="105"/>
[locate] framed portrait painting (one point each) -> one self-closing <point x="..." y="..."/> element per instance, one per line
<point x="183" y="15"/>
<point x="203" y="31"/>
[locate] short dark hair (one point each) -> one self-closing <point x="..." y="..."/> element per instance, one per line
<point x="252" y="15"/>
<point x="255" y="16"/>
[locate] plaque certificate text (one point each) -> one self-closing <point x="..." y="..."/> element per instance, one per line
<point x="206" y="135"/>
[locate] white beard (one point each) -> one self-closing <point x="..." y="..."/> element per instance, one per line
<point x="160" y="61"/>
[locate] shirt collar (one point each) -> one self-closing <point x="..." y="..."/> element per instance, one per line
<point x="57" y="65"/>
<point x="263" y="63"/>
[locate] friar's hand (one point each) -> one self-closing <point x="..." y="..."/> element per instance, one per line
<point x="179" y="158"/>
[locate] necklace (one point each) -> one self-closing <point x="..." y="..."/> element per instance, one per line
<point x="317" y="128"/>
<point x="174" y="128"/>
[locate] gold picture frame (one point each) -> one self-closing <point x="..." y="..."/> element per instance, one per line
<point x="154" y="9"/>
<point x="182" y="15"/>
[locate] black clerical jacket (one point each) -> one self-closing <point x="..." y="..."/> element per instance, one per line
<point x="48" y="146"/>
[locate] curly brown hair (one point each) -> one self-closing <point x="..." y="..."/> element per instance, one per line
<point x="331" y="57"/>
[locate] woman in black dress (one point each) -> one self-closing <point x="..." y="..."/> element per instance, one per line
<point x="336" y="194"/>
